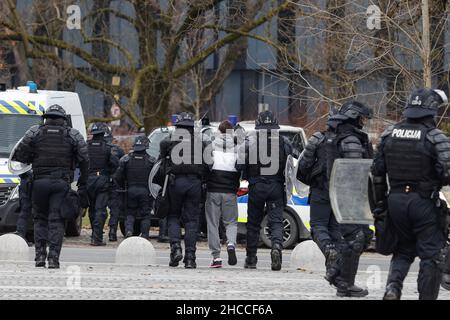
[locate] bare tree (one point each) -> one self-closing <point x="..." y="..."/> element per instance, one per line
<point x="150" y="80"/>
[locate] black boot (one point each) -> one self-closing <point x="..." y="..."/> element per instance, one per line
<point x="331" y="263"/>
<point x="97" y="238"/>
<point x="53" y="260"/>
<point x="189" y="261"/>
<point x="41" y="254"/>
<point x="345" y="283"/>
<point x="276" y="256"/>
<point x="163" y="236"/>
<point x="393" y="292"/>
<point x="250" y="262"/>
<point x="113" y="233"/>
<point x="176" y="254"/>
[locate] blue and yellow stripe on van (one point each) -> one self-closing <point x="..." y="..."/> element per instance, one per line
<point x="9" y="179"/>
<point x="21" y="107"/>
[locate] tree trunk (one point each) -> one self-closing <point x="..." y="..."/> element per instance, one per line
<point x="426" y="50"/>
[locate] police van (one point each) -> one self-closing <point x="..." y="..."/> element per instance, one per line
<point x="20" y="109"/>
<point x="296" y="213"/>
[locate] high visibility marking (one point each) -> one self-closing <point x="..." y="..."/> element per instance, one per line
<point x="17" y="107"/>
<point x="21" y="107"/>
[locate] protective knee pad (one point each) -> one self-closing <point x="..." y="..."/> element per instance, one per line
<point x="358" y="244"/>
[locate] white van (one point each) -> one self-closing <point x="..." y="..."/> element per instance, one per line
<point x="19" y="110"/>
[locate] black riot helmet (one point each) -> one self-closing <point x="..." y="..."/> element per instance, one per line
<point x="266" y="120"/>
<point x="98" y="128"/>
<point x="185" y="119"/>
<point x="55" y="111"/>
<point x="141" y="143"/>
<point x="354" y="109"/>
<point x="424" y="102"/>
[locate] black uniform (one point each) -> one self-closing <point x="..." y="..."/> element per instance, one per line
<point x="415" y="156"/>
<point x="115" y="204"/>
<point x="132" y="174"/>
<point x="102" y="164"/>
<point x="185" y="188"/>
<point x="54" y="150"/>
<point x="343" y="244"/>
<point x="25" y="201"/>
<point x="266" y="186"/>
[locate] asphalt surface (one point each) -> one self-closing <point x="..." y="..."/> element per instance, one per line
<point x="89" y="273"/>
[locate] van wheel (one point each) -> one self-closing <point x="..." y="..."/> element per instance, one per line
<point x="290" y="232"/>
<point x="73" y="227"/>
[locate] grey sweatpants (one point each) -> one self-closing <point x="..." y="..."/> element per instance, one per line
<point x="221" y="205"/>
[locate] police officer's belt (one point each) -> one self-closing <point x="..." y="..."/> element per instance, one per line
<point x="54" y="175"/>
<point x="99" y="173"/>
<point x="412" y="188"/>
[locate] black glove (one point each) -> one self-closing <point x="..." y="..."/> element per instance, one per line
<point x="380" y="210"/>
<point x="84" y="198"/>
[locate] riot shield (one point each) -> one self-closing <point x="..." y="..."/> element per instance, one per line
<point x="349" y="194"/>
<point x="16" y="167"/>
<point x="289" y="177"/>
<point x="154" y="187"/>
<point x="301" y="188"/>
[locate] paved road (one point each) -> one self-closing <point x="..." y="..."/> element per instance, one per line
<point x="89" y="273"/>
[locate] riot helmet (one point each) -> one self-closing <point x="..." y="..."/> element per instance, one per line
<point x="424" y="102"/>
<point x="355" y="113"/>
<point x="141" y="143"/>
<point x="266" y="120"/>
<point x="185" y="119"/>
<point x="99" y="128"/>
<point x="55" y="111"/>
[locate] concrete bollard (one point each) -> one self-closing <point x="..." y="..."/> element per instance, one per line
<point x="13" y="248"/>
<point x="307" y="256"/>
<point x="136" y="251"/>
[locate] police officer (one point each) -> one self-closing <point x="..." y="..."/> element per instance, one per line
<point x="266" y="186"/>
<point x="102" y="165"/>
<point x="114" y="200"/>
<point x="25" y="202"/>
<point x="133" y="172"/>
<point x="341" y="245"/>
<point x="415" y="156"/>
<point x="184" y="154"/>
<point x="54" y="149"/>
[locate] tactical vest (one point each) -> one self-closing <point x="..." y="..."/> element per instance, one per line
<point x="53" y="148"/>
<point x="407" y="158"/>
<point x="138" y="169"/>
<point x="333" y="147"/>
<point x="329" y="150"/>
<point x="98" y="155"/>
<point x="188" y="167"/>
<point x="256" y="169"/>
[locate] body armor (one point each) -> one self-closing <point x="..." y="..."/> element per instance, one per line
<point x="53" y="149"/>
<point x="408" y="160"/>
<point x="98" y="155"/>
<point x="138" y="169"/>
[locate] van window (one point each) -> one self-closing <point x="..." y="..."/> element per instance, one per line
<point x="13" y="128"/>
